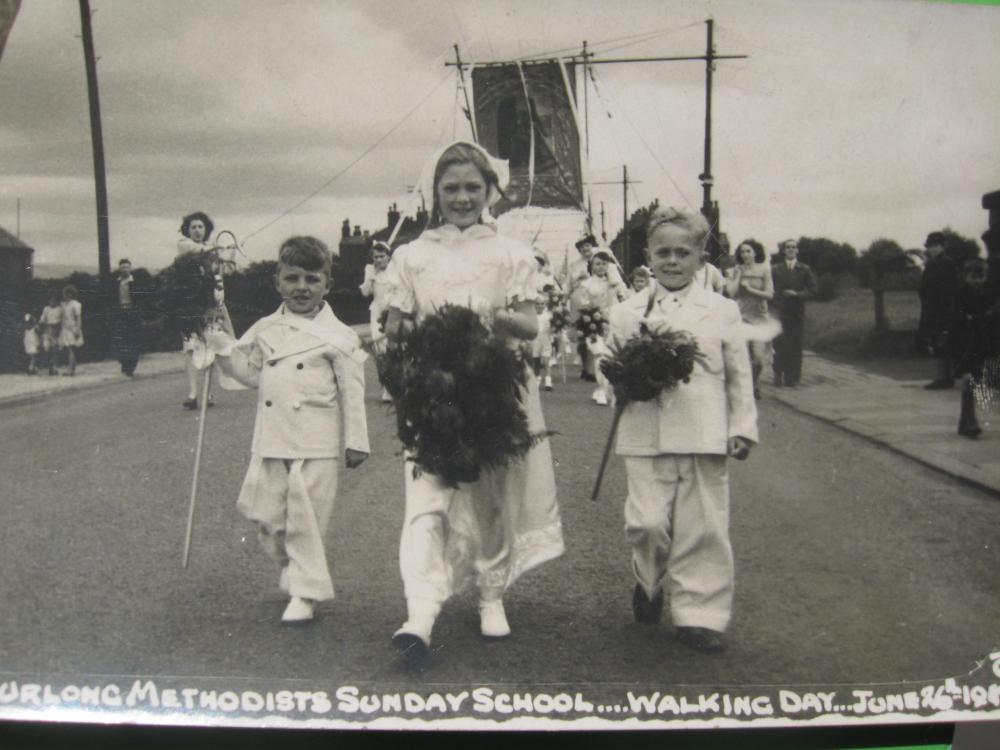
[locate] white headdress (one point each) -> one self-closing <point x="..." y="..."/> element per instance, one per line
<point x="425" y="185"/>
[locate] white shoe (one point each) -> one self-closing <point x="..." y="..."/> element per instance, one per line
<point x="386" y="398"/>
<point x="283" y="586"/>
<point x="600" y="399"/>
<point x="299" y="611"/>
<point x="493" y="620"/>
<point x="548" y="383"/>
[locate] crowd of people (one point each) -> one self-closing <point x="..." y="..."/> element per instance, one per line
<point x="308" y="369"/>
<point x="307" y="366"/>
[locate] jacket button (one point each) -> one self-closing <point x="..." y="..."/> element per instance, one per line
<point x="267" y="403"/>
<point x="299" y="366"/>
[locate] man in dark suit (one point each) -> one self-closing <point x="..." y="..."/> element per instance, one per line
<point x="794" y="283"/>
<point x="939" y="285"/>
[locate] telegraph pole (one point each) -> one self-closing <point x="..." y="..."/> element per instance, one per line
<point x="707" y="209"/>
<point x="97" y="140"/>
<point x="625" y="236"/>
<point x="465" y="92"/>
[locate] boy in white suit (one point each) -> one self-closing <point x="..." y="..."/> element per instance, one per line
<point x="307" y="366"/>
<point x="675" y="448"/>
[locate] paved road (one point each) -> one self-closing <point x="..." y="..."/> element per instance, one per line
<point x="854" y="564"/>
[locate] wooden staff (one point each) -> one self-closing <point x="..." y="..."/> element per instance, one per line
<point x="203" y="406"/>
<point x="619" y="409"/>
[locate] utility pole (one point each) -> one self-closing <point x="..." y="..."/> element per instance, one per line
<point x="586" y="107"/>
<point x="624" y="182"/>
<point x="18" y="235"/>
<point x="465" y="92"/>
<point x="97" y="140"/>
<point x="707" y="209"/>
<point x="625" y="238"/>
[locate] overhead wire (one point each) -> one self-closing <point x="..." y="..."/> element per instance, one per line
<point x="352" y="163"/>
<point x="645" y="144"/>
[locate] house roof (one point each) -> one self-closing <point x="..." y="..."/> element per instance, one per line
<point x="10" y="242"/>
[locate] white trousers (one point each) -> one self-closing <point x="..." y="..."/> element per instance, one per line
<point x="452" y="535"/>
<point x="291" y="502"/>
<point x="677" y="521"/>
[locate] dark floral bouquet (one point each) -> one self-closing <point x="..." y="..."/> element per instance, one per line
<point x="559" y="319"/>
<point x="651" y="363"/>
<point x="646" y="366"/>
<point x="591" y="323"/>
<point x="457" y="395"/>
<point x="186" y="290"/>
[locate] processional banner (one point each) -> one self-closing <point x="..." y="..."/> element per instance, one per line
<point x="508" y="108"/>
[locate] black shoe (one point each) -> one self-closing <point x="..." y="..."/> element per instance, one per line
<point x="190" y="403"/>
<point x="646" y="611"/>
<point x="412" y="649"/>
<point x="970" y="430"/>
<point x="939" y="384"/>
<point x="701" y="639"/>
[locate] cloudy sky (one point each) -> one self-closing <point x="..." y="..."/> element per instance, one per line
<point x="851" y="119"/>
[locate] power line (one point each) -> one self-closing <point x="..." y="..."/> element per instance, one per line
<point x="363" y="154"/>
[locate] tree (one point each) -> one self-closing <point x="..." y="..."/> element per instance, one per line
<point x="825" y="256"/>
<point x="882" y="258"/>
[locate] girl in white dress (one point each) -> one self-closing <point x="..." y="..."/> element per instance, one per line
<point x="507" y="521"/>
<point x="602" y="290"/>
<point x="376" y="284"/>
<point x="71" y="331"/>
<point x="48" y="325"/>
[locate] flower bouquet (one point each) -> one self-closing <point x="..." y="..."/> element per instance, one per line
<point x="591" y="323"/>
<point x="642" y="369"/>
<point x="457" y="392"/>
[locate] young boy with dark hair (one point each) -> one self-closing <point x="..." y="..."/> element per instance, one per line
<point x="307" y="366"/>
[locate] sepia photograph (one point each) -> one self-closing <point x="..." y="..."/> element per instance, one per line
<point x="491" y="364"/>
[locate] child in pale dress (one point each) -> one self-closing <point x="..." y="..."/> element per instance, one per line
<point x="541" y="345"/>
<point x="31" y="341"/>
<point x="49" y="324"/>
<point x="71" y="330"/>
<point x="376" y="285"/>
<point x="602" y="290"/>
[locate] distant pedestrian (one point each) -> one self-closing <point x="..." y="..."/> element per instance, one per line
<point x="49" y="324"/>
<point x="973" y="338"/>
<point x="751" y="285"/>
<point x="307" y="367"/>
<point x="939" y="289"/>
<point x="794" y="283"/>
<point x="71" y="331"/>
<point x="125" y="335"/>
<point x="542" y="345"/>
<point x="196" y="231"/>
<point x="31" y="341"/>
